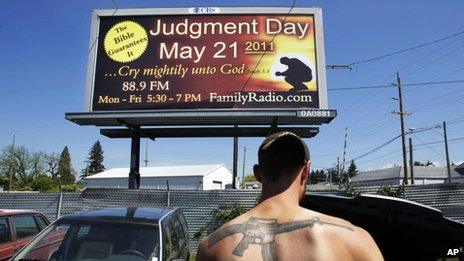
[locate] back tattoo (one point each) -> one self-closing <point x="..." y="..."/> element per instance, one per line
<point x="262" y="232"/>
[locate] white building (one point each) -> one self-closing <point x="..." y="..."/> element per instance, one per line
<point x="197" y="177"/>
<point x="423" y="175"/>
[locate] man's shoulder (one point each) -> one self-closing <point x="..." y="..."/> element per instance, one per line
<point x="340" y="232"/>
<point x="215" y="243"/>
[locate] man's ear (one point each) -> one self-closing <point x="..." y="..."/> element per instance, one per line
<point x="257" y="172"/>
<point x="305" y="174"/>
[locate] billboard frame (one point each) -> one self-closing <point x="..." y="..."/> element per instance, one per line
<point x="319" y="42"/>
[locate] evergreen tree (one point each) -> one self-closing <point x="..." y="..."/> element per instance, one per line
<point x="65" y="169"/>
<point x="352" y="170"/>
<point x="317" y="176"/>
<point x="333" y="173"/>
<point x="95" y="159"/>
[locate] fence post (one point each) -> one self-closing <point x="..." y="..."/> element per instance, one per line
<point x="58" y="209"/>
<point x="169" y="193"/>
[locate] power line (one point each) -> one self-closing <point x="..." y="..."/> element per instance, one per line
<point x="96" y="38"/>
<point x="434" y="61"/>
<point x="440" y="142"/>
<point x="439" y="103"/>
<point x="364" y="100"/>
<point x="428" y="55"/>
<point x="416" y="147"/>
<point x="407" y="49"/>
<point x="392" y="86"/>
<point x="376" y="148"/>
<point x="265" y="51"/>
<point x="115" y="5"/>
<point x="435" y="98"/>
<point x="423" y="143"/>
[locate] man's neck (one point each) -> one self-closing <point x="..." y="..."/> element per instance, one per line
<point x="280" y="197"/>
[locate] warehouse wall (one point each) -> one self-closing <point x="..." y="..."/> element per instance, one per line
<point x="212" y="179"/>
<point x="175" y="183"/>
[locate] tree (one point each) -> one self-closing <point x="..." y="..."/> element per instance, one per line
<point x="352" y="170"/>
<point x="51" y="162"/>
<point x="332" y="172"/>
<point x="7" y="166"/>
<point x="95" y="164"/>
<point x="427" y="164"/>
<point x="249" y="178"/>
<point x="417" y="163"/>
<point x="317" y="176"/>
<point x="21" y="165"/>
<point x="65" y="168"/>
<point x="44" y="183"/>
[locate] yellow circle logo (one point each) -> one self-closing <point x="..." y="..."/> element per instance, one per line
<point x="125" y="41"/>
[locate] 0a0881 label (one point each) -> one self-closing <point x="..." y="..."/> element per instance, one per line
<point x="314" y="113"/>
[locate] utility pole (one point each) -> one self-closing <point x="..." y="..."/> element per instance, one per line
<point x="411" y="161"/>
<point x="403" y="136"/>
<point x="146" y="153"/>
<point x="344" y="155"/>
<point x="338" y="171"/>
<point x="243" y="164"/>
<point x="11" y="169"/>
<point x="447" y="154"/>
<point x="86" y="168"/>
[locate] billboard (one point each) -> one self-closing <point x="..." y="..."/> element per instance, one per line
<point x="206" y="59"/>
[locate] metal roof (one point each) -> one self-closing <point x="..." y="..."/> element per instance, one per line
<point x="420" y="172"/>
<point x="165" y="171"/>
<point x="460" y="169"/>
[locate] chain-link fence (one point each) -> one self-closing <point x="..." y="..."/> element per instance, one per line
<point x="199" y="207"/>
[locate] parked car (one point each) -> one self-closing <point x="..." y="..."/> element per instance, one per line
<point x="132" y="233"/>
<point x="403" y="229"/>
<point x="17" y="228"/>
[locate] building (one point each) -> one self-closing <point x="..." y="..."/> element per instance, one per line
<point x="460" y="169"/>
<point x="197" y="177"/>
<point x="394" y="176"/>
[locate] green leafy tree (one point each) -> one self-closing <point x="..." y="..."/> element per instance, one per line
<point x="44" y="183"/>
<point x="95" y="161"/>
<point x="249" y="178"/>
<point x="352" y="170"/>
<point x="65" y="168"/>
<point x="317" y="176"/>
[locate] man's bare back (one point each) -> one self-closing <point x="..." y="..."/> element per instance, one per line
<point x="293" y="234"/>
<point x="277" y="228"/>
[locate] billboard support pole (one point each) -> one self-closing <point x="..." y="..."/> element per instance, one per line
<point x="134" y="174"/>
<point x="235" y="159"/>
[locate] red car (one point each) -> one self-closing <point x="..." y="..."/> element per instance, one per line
<point x="17" y="228"/>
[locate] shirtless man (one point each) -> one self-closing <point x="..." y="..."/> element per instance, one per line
<point x="277" y="228"/>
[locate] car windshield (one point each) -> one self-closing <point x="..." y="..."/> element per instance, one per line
<point x="94" y="240"/>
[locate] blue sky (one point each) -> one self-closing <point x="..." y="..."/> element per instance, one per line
<point x="44" y="45"/>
